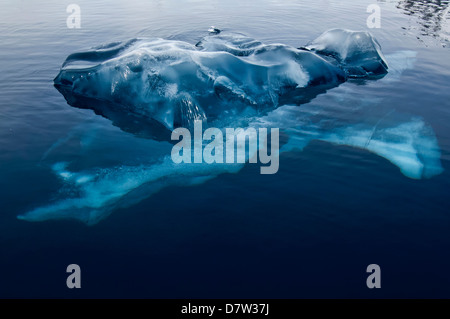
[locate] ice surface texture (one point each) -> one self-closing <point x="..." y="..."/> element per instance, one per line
<point x="149" y="87"/>
<point x="175" y="83"/>
<point x="358" y="53"/>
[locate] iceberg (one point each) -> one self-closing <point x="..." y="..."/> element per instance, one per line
<point x="148" y="87"/>
<point x="175" y="83"/>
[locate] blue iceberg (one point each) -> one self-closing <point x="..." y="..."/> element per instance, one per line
<point x="150" y="86"/>
<point x="174" y="82"/>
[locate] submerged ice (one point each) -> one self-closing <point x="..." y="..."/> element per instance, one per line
<point x="149" y="87"/>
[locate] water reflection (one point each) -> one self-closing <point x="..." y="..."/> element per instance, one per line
<point x="432" y="16"/>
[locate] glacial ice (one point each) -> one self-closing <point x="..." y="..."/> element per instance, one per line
<point x="148" y="87"/>
<point x="357" y="52"/>
<point x="168" y="80"/>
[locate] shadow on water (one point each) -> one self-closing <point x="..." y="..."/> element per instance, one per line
<point x="140" y="126"/>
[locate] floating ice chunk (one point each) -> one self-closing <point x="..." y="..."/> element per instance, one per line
<point x="225" y="79"/>
<point x="357" y="52"/>
<point x="159" y="80"/>
<point x="213" y="30"/>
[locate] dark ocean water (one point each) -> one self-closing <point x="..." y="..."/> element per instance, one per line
<point x="308" y="231"/>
